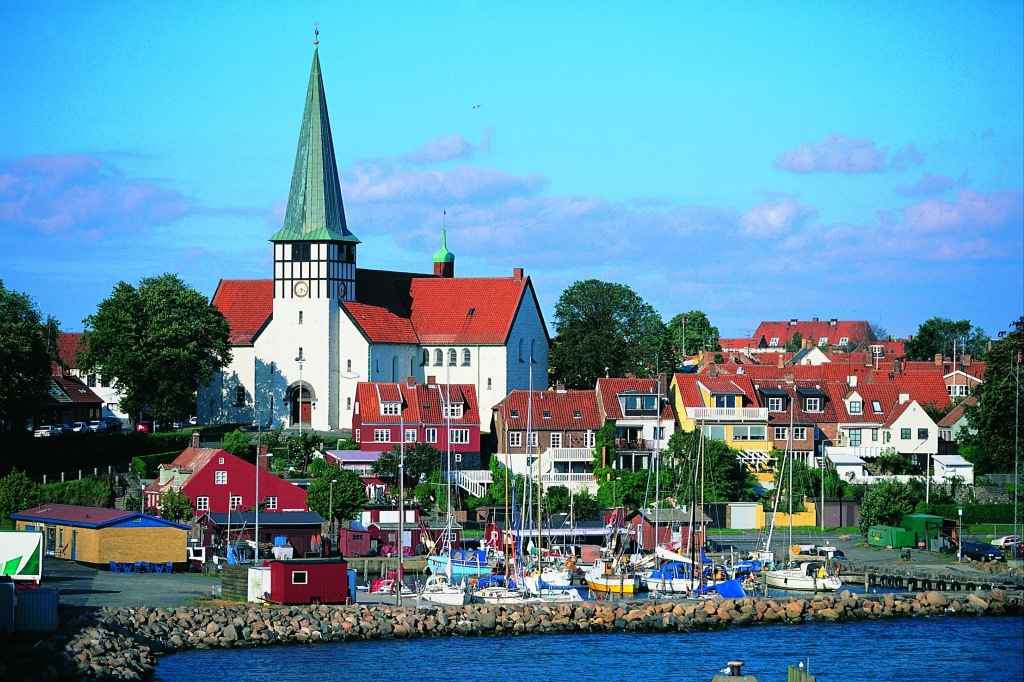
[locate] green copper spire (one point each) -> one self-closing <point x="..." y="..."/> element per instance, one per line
<point x="443" y="255"/>
<point x="315" y="211"/>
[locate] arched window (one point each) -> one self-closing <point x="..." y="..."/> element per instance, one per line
<point x="348" y="365"/>
<point x="426" y="357"/>
<point x="521" y="351"/>
<point x="453" y="357"/>
<point x="240" y="396"/>
<point x="438" y="357"/>
<point x="533" y="356"/>
<point x="300" y="317"/>
<point x="466" y="356"/>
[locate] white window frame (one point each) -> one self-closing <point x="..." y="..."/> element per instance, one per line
<point x="774" y="342"/>
<point x="202" y="504"/>
<point x="431" y="435"/>
<point x="234" y="502"/>
<point x="589" y="439"/>
<point x="382" y="435"/>
<point x="391" y="409"/>
<point x="270" y="503"/>
<point x="781" y="432"/>
<point x="453" y="410"/>
<point x="531" y="439"/>
<point x="467" y="357"/>
<point x="410" y="435"/>
<point x="453" y="357"/>
<point x="556" y="440"/>
<point x="459" y="437"/>
<point x="220" y="478"/>
<point x="300" y="577"/>
<point x="812" y="404"/>
<point x="775" y="404"/>
<point x="799" y="433"/>
<point x="823" y="341"/>
<point x="515" y="439"/>
<point x="843" y="340"/>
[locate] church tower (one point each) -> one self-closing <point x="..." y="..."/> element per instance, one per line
<point x="314" y="270"/>
<point x="444" y="260"/>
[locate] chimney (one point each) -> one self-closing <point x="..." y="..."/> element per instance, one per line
<point x="833" y="322"/>
<point x="788" y="377"/>
<point x="195" y="439"/>
<point x="792" y="323"/>
<point x="782" y="361"/>
<point x="713" y="370"/>
<point x="517" y="274"/>
<point x="559" y="388"/>
<point x="904" y="398"/>
<point x="431" y="380"/>
<point x="814" y="319"/>
<point x="851" y="381"/>
<point x="967" y="360"/>
<point x="938" y="359"/>
<point x="262" y="458"/>
<point x="897" y="367"/>
<point x="410" y="382"/>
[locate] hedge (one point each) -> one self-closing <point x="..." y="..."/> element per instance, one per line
<point x="149" y="463"/>
<point x="976" y="513"/>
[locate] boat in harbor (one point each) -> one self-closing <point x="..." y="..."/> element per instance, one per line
<point x="613" y="573"/>
<point x="464" y="563"/>
<point x="804" y="576"/>
<point x="439" y="589"/>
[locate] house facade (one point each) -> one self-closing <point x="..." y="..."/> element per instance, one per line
<point x="643" y="417"/>
<point x="303" y="340"/>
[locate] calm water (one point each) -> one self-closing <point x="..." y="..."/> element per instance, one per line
<point x="915" y="650"/>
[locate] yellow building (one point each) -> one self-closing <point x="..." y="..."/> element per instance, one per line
<point x="94" y="535"/>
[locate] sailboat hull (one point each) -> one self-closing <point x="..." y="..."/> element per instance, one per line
<point x="796" y="580"/>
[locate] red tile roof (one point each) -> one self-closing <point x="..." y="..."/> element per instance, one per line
<point x="77" y="514"/>
<point x="608" y="390"/>
<point x="247" y="304"/>
<point x="190" y="460"/>
<point x="466" y="310"/>
<point x="68" y="347"/>
<point x="421" y="404"/>
<point x="957" y="413"/>
<point x="380" y="325"/>
<point x="75" y="389"/>
<point x="855" y="331"/>
<point x="561" y="405"/>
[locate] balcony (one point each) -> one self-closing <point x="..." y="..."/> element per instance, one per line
<point x="728" y="414"/>
<point x="568" y="455"/>
<point x="566" y="478"/>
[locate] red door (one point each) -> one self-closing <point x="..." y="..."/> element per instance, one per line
<point x="305" y="412"/>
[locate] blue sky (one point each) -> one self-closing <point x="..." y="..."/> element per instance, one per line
<point x="759" y="161"/>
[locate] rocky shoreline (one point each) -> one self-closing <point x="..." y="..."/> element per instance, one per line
<point x="125" y="643"/>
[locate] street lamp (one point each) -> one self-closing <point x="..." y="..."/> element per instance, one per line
<point x="330" y="505"/>
<point x="299" y="359"/>
<point x="960" y="535"/>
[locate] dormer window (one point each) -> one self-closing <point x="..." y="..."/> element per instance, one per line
<point x="514" y="414"/>
<point x="876" y="406"/>
<point x="823" y="341"/>
<point x="812" y="404"/>
<point x="775" y="404"/>
<point x="576" y="414"/>
<point x="856" y="407"/>
<point x="453" y="410"/>
<point x="774" y="341"/>
<point x="844" y="340"/>
<point x="547" y="414"/>
<point x="637" y="405"/>
<point x="390" y="408"/>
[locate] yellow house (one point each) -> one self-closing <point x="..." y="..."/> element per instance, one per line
<point x="726" y="408"/>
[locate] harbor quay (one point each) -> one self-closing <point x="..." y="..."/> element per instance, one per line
<point x="126" y="642"/>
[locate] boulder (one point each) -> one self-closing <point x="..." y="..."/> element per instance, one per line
<point x="935" y="598"/>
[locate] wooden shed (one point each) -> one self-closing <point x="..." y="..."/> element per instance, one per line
<point x="309" y="581"/>
<point x="94" y="535"/>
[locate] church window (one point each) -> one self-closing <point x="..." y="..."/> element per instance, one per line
<point x="348" y="365"/>
<point x="426" y="357"/>
<point x="521" y="344"/>
<point x="466" y="357"/>
<point x="488" y="383"/>
<point x="300" y="357"/>
<point x="240" y="396"/>
<point x="533" y="356"/>
<point x="438" y="357"/>
<point x="300" y="253"/>
<point x="452" y="357"/>
<point x="300" y="317"/>
<point x="348" y="403"/>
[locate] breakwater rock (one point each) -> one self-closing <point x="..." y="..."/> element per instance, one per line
<point x="124" y="643"/>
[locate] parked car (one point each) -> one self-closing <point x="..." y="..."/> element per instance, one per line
<point x="81" y="427"/>
<point x="1006" y="542"/>
<point x="113" y="423"/>
<point x="48" y="430"/>
<point x="98" y="425"/>
<point x="980" y="551"/>
<point x="1017" y="550"/>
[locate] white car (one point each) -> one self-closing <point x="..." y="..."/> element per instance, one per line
<point x="98" y="425"/>
<point x="81" y="427"/>
<point x="1006" y="542"/>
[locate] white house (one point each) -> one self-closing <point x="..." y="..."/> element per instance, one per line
<point x="302" y="340"/>
<point x="950" y="466"/>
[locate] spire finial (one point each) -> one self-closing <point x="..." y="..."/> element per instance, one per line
<point x="316" y="32"/>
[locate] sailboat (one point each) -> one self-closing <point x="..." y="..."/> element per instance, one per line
<point x="804" y="575"/>
<point x="612" y="572"/>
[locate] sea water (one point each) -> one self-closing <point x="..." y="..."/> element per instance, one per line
<point x="911" y="649"/>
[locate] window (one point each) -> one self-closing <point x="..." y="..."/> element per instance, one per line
<point x="300" y="253"/>
<point x="488" y="383"/>
<point x="300" y="317"/>
<point x="300" y="356"/>
<point x="716" y="432"/>
<point x="904" y="434"/>
<point x="515" y="439"/>
<point x="91" y="381"/>
<point x="300" y="577"/>
<point x="390" y="408"/>
<point x="876" y="406"/>
<point x="856" y="407"/>
<point x="358" y="435"/>
<point x="531" y="439"/>
<point x="410" y="435"/>
<point x="240" y="396"/>
<point x="812" y="404"/>
<point x="781" y="433"/>
<point x="461" y="436"/>
<point x="348" y="365"/>
<point x="270" y="503"/>
<point x="521" y="342"/>
<point x="382" y="435"/>
<point x="775" y="404"/>
<point x="220" y="478"/>
<point x="874" y="435"/>
<point x="922" y="434"/>
<point x="823" y="341"/>
<point x="844" y="340"/>
<point x="854" y="437"/>
<point x="556" y="440"/>
<point x="588" y="442"/>
<point x="220" y="460"/>
<point x="725" y="401"/>
<point x="426" y="357"/>
<point x="234" y="502"/>
<point x="104" y="381"/>
<point x="514" y="414"/>
<point x="438" y="357"/>
<point x="202" y="504"/>
<point x="958" y="390"/>
<point x="576" y="414"/>
<point x="799" y="433"/>
<point x="466" y="357"/>
<point x="547" y="414"/>
<point x="774" y="341"/>
<point x="748" y="432"/>
<point x="452" y="357"/>
<point x="348" y="403"/>
<point x="431" y="435"/>
<point x="458" y="457"/>
<point x="453" y="410"/>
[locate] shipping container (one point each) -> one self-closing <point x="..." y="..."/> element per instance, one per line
<point x="891" y="536"/>
<point x="309" y="581"/>
<point x="36" y="610"/>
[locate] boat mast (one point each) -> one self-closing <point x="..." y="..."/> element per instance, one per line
<point x="540" y="553"/>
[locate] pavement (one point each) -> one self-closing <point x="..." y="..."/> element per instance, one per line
<point x="84" y="587"/>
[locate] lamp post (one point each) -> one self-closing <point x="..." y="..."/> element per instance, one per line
<point x="330" y="505"/>
<point x="300" y="360"/>
<point x="960" y="535"/>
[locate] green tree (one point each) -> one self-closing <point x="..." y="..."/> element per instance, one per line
<point x="27" y="345"/>
<point x="937" y="335"/>
<point x="503" y="480"/>
<point x="176" y="506"/>
<point x="585" y="507"/>
<point x="700" y="335"/>
<point x="301" y="447"/>
<point x="807" y="481"/>
<point x="989" y="442"/>
<point x="885" y="503"/>
<point x="18" y="493"/>
<point x="87" y="492"/>
<point x="724" y="478"/>
<point x="237" y="443"/>
<point x="348" y="498"/>
<point x="605" y="328"/>
<point x="795" y="343"/>
<point x="894" y="463"/>
<point x="556" y="499"/>
<point x="421" y="460"/>
<point x="159" y="341"/>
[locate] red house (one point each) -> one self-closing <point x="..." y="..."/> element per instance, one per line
<point x="388" y="413"/>
<point x="309" y="581"/>
<point x="217" y="481"/>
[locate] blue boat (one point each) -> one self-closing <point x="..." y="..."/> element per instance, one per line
<point x="465" y="563"/>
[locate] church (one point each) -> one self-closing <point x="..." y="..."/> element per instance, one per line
<point x="304" y="339"/>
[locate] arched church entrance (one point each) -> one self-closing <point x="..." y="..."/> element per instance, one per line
<point x="301" y="402"/>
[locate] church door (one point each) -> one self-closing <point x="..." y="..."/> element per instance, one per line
<point x="306" y="410"/>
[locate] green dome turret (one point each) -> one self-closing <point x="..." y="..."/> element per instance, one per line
<point x="443" y="255"/>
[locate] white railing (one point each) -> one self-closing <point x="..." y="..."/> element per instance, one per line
<point x="568" y="454"/>
<point x="728" y="413"/>
<point x="566" y="478"/>
<point x="473" y="481"/>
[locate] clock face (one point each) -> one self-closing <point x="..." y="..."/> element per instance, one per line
<point x="301" y="289"/>
<point x="341" y="290"/>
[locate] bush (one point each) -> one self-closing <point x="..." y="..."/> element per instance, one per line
<point x="977" y="513"/>
<point x="146" y="465"/>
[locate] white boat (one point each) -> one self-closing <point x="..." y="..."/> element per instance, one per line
<point x="809" y="576"/>
<point x="498" y="594"/>
<point x="439" y="589"/>
<point x="550" y="579"/>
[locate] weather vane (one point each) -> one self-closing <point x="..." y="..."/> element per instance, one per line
<point x="316" y="32"/>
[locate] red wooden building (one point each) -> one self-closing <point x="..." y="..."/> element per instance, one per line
<point x="388" y="413"/>
<point x="309" y="581"/>
<point x="217" y="481"/>
<point x="673" y="525"/>
<point x="378" y="528"/>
